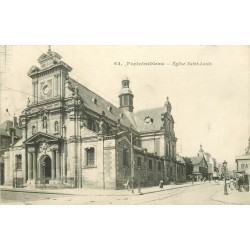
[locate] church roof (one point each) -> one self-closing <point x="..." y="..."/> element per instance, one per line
<point x="137" y="120"/>
<point x="4" y="132"/>
<point x="50" y="54"/>
<point x="149" y="119"/>
<point x="180" y="159"/>
<point x="96" y="103"/>
<point x="196" y="160"/>
<point x="6" y="125"/>
<point x="100" y="104"/>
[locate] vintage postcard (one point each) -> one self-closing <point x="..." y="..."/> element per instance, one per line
<point x="124" y="125"/>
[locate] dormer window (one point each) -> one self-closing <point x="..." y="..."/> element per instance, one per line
<point x="121" y="115"/>
<point x="109" y="109"/>
<point x="94" y="100"/>
<point x="148" y="120"/>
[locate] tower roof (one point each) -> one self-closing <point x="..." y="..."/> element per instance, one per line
<point x="49" y="55"/>
<point x="125" y="87"/>
<point x="167" y="105"/>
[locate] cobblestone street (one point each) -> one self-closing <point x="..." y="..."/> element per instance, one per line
<point x="188" y="194"/>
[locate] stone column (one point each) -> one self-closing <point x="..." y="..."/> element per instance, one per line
<point x="53" y="167"/>
<point x="30" y="170"/>
<point x="58" y="166"/>
<point x="34" y="166"/>
<point x="24" y="167"/>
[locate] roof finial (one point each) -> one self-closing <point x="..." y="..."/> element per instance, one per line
<point x="49" y="48"/>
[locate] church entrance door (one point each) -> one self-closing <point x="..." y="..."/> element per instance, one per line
<point x="46" y="168"/>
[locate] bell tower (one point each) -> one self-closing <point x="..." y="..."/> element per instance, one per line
<point x="126" y="97"/>
<point x="201" y="151"/>
<point x="48" y="79"/>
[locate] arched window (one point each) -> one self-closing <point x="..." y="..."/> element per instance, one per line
<point x="91" y="125"/>
<point x="56" y="126"/>
<point x="159" y="166"/>
<point x="125" y="100"/>
<point x="33" y="129"/>
<point x="130" y="100"/>
<point x="90" y="157"/>
<point x="18" y="161"/>
<point x="150" y="164"/>
<point x="125" y="157"/>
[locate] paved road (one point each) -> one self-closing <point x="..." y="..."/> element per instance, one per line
<point x="192" y="195"/>
<point x="13" y="197"/>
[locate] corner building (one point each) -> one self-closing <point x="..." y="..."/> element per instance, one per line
<point x="73" y="137"/>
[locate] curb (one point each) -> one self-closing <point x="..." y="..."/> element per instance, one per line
<point x="129" y="194"/>
<point x="226" y="202"/>
<point x="31" y="191"/>
<point x="177" y="187"/>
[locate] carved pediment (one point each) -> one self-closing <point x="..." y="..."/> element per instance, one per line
<point x="42" y="57"/>
<point x="41" y="137"/>
<point x="33" y="70"/>
<point x="43" y="111"/>
<point x="124" y="137"/>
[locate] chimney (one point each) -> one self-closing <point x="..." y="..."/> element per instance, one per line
<point x="15" y="124"/>
<point x="19" y="122"/>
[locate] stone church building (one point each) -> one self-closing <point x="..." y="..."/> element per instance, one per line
<point x="73" y="137"/>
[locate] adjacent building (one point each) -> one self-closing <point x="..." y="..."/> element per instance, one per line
<point x="200" y="169"/>
<point x="243" y="163"/>
<point x="73" y="137"/>
<point x="181" y="169"/>
<point x="9" y="134"/>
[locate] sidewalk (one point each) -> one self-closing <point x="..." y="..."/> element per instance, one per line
<point x="99" y="192"/>
<point x="234" y="197"/>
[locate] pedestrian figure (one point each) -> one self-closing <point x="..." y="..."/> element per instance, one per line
<point x="161" y="184"/>
<point x="231" y="184"/>
<point x="240" y="183"/>
<point x="237" y="184"/>
<point x="126" y="185"/>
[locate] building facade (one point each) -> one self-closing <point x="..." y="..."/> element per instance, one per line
<point x="181" y="169"/>
<point x="243" y="164"/>
<point x="200" y="166"/>
<point x="73" y="137"/>
<point x="211" y="163"/>
<point x="9" y="134"/>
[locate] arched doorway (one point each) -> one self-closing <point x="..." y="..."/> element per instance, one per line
<point x="46" y="167"/>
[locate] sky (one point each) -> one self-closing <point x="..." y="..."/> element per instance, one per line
<point x="208" y="87"/>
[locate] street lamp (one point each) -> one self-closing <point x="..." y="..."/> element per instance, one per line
<point x="139" y="180"/>
<point x="225" y="171"/>
<point x="132" y="160"/>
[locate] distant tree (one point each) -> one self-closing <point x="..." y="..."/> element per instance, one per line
<point x="189" y="166"/>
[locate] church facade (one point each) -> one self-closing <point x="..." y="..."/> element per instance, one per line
<point x="73" y="137"/>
